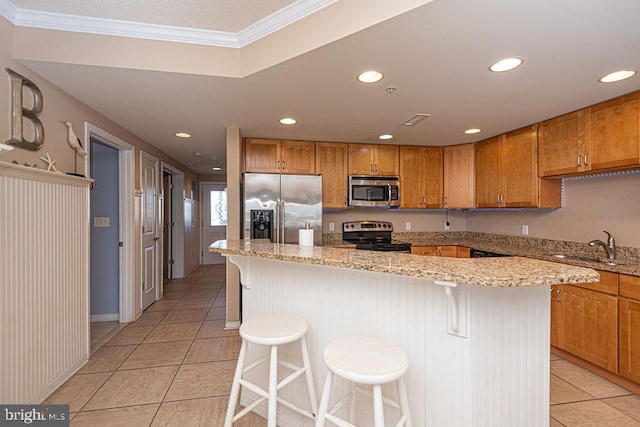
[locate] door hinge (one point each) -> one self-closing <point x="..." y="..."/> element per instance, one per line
<point x="171" y="261"/>
<point x="121" y="244"/>
<point x="172" y="224"/>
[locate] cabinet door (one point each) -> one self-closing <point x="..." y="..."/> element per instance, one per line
<point x="488" y="173"/>
<point x="449" y="251"/>
<point x="615" y="133"/>
<point x="425" y="250"/>
<point x="432" y="175"/>
<point x="411" y="177"/>
<point x="562" y="143"/>
<point x="262" y="155"/>
<point x="520" y="166"/>
<point x="459" y="176"/>
<point x="387" y="160"/>
<point x="590" y="326"/>
<point x="298" y="157"/>
<point x="361" y="159"/>
<point x="557" y="317"/>
<point x="331" y="162"/>
<point x="463" y="252"/>
<point x="630" y="339"/>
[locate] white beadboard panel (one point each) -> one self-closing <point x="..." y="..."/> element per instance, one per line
<point x="498" y="375"/>
<point x="44" y="294"/>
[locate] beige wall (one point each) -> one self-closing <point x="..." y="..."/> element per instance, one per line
<point x="593" y="204"/>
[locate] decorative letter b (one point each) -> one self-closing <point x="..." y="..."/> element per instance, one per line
<point x="18" y="111"/>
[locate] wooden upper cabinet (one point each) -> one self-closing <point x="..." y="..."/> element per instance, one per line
<point x="421" y="177"/>
<point x="298" y="157"/>
<point x="331" y="162"/>
<point x="275" y="156"/>
<point x="604" y="136"/>
<point x="262" y="155"/>
<point x="371" y="159"/>
<point x="459" y="176"/>
<point x="507" y="173"/>
<point x="615" y="133"/>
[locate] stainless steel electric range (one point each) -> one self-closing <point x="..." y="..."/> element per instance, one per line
<point x="373" y="236"/>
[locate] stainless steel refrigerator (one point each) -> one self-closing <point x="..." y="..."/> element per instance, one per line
<point x="277" y="206"/>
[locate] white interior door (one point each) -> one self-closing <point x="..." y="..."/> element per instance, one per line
<point x="150" y="237"/>
<point x="214" y="220"/>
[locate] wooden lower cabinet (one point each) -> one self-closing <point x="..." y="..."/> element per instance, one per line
<point x="445" y="251"/>
<point x="629" y="324"/>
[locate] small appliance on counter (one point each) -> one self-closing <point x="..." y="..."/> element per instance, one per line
<point x="277" y="206"/>
<point x="373" y="236"/>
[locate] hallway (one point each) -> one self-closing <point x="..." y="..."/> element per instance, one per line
<point x="174" y="366"/>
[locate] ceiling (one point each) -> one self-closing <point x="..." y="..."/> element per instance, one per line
<point x="436" y="56"/>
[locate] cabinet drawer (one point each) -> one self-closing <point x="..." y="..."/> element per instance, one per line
<point x="630" y="286"/>
<point x="608" y="283"/>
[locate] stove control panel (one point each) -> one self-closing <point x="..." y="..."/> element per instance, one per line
<point x="367" y="226"/>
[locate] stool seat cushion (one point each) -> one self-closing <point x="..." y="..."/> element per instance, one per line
<point x="366" y="360"/>
<point x="274" y="329"/>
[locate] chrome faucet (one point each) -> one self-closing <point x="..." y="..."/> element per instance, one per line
<point x="610" y="246"/>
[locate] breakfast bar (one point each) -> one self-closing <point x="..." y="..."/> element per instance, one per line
<point x="476" y="330"/>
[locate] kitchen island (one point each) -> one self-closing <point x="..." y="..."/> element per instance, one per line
<point x="476" y="330"/>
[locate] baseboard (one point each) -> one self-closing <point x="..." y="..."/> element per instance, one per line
<point x="110" y="317"/>
<point x="232" y="325"/>
<point x="55" y="384"/>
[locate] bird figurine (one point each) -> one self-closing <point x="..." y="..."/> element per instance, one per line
<point x="76" y="144"/>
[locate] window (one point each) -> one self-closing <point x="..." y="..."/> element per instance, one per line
<point x="218" y="207"/>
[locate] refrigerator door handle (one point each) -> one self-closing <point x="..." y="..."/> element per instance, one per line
<point x="276" y="237"/>
<point x="282" y="222"/>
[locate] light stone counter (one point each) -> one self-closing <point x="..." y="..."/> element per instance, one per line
<point x="495" y="272"/>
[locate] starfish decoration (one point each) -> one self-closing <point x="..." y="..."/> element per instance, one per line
<point x="50" y="163"/>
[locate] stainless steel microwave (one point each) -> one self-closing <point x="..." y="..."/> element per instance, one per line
<point x="366" y="190"/>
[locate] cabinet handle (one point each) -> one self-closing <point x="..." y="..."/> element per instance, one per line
<point x="552" y="294"/>
<point x="558" y="295"/>
<point x="445" y="200"/>
<point x="278" y="164"/>
<point x="586" y="162"/>
<point x="371" y="167"/>
<point x="578" y="162"/>
<point x="376" y="168"/>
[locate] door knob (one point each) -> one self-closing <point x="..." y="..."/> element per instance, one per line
<point x="155" y="238"/>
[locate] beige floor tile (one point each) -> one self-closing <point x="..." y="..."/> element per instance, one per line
<point x="201" y="293"/>
<point x="162" y="305"/>
<point x="207" y="283"/>
<point x="591" y="413"/>
<point x="78" y="390"/>
<point x="130" y="335"/>
<point x="174" y="332"/>
<point x="157" y="354"/>
<point x="585" y="380"/>
<point x="107" y="359"/>
<point x="186" y="304"/>
<point x="135" y="387"/>
<point x="563" y="392"/>
<point x="214" y="349"/>
<point x="217" y="313"/>
<point x="186" y="316"/>
<point x="215" y="329"/>
<point x="209" y="412"/>
<point x="630" y="405"/>
<point x="150" y="318"/>
<point x="554" y="423"/>
<point x="173" y="295"/>
<point x="132" y="416"/>
<point x="220" y="301"/>
<point x="202" y="380"/>
<point x="555" y="357"/>
<point x="179" y="287"/>
<point x="182" y="281"/>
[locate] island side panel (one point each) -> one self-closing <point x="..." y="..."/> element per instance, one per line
<point x="337" y="302"/>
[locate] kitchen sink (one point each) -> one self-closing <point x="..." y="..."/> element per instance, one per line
<point x="586" y="259"/>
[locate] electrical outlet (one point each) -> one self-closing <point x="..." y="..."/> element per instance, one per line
<point x="525" y="230"/>
<point x="332" y="226"/>
<point x="446" y="225"/>
<point x="407" y="226"/>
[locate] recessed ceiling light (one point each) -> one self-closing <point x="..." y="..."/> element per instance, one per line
<point x="416" y="119"/>
<point x="183" y="135"/>
<point x="472" y="131"/>
<point x="288" y="121"/>
<point x="506" y="64"/>
<point x="370" y="76"/>
<point x="217" y="168"/>
<point x="385" y="136"/>
<point x="617" y="76"/>
<point x="197" y="154"/>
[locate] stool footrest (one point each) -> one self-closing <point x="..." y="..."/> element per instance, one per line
<point x="385" y="399"/>
<point x="338" y="421"/>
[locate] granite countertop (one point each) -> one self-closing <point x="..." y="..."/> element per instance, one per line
<point x="492" y="272"/>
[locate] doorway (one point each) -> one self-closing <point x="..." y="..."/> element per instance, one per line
<point x="214" y="219"/>
<point x="172" y="216"/>
<point x="167" y="227"/>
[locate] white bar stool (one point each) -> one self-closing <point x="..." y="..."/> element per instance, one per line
<point x="370" y="361"/>
<point x="271" y="330"/>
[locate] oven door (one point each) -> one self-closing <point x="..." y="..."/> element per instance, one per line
<point x="374" y="191"/>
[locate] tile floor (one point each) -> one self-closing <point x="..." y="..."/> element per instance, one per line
<point x="174" y="366"/>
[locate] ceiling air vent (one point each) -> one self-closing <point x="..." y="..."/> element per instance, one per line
<point x="416" y="119"/>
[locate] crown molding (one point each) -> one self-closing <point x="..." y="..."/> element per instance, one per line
<point x="112" y="27"/>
